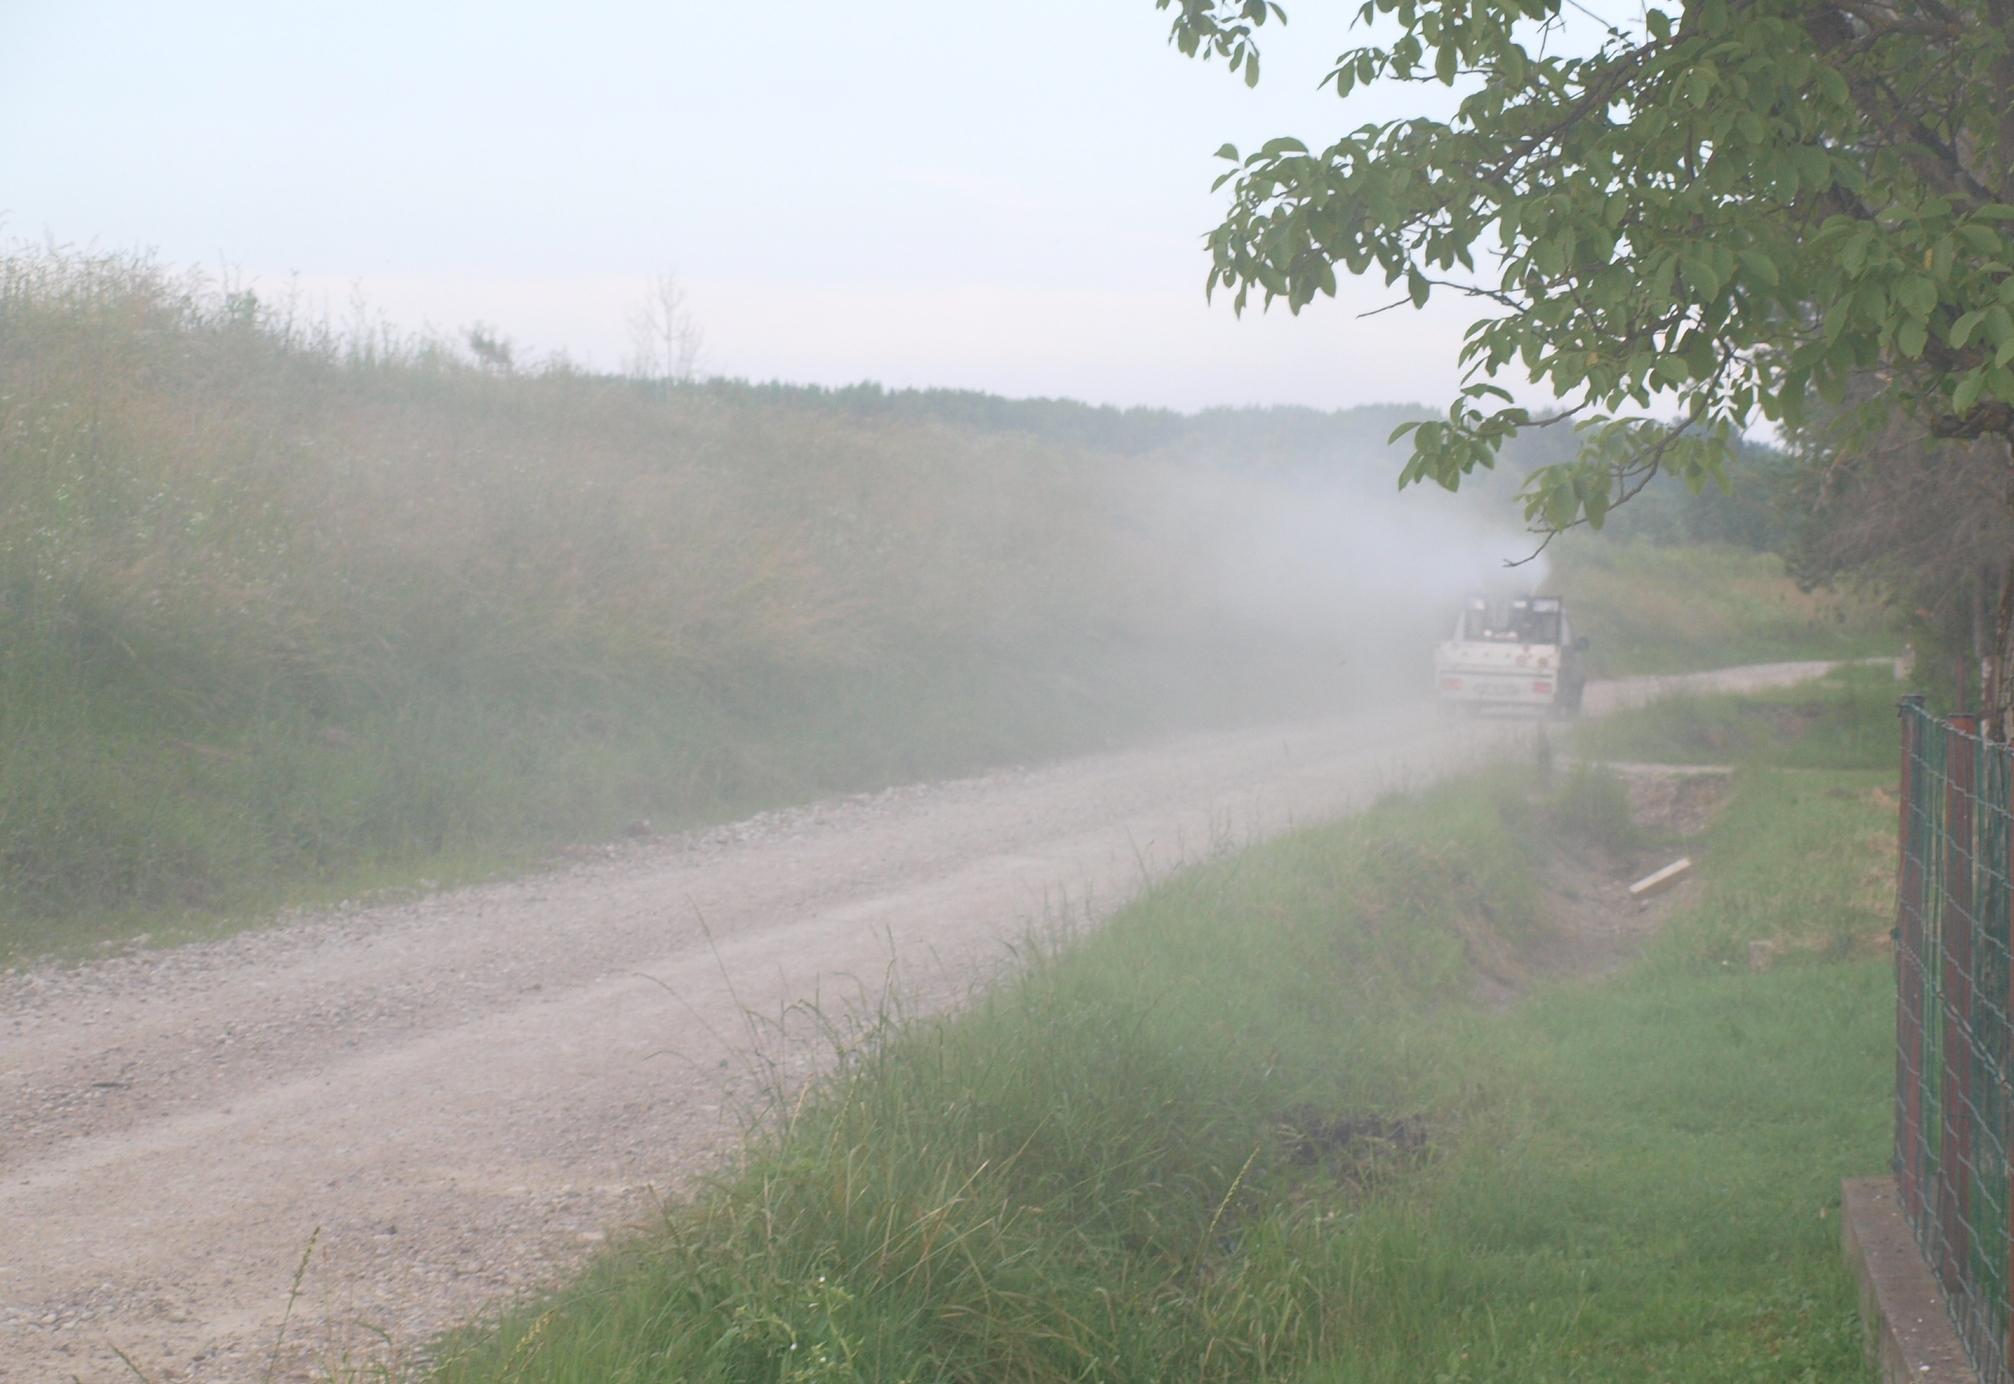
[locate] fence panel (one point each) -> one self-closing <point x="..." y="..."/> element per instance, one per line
<point x="1953" y="975"/>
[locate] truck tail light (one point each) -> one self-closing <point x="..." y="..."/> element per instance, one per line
<point x="1544" y="687"/>
<point x="1451" y="684"/>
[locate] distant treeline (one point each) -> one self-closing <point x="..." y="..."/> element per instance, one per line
<point x="1757" y="512"/>
<point x="1282" y="436"/>
<point x="1260" y="435"/>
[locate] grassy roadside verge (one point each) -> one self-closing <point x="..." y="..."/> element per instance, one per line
<point x="1665" y="609"/>
<point x="1263" y="1126"/>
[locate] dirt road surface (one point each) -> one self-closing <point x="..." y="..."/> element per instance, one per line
<point x="442" y="1103"/>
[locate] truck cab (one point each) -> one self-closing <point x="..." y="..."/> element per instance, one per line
<point x="1519" y="652"/>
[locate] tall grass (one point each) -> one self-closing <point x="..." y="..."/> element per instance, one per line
<point x="1115" y="1169"/>
<point x="290" y="607"/>
<point x="1258" y="1128"/>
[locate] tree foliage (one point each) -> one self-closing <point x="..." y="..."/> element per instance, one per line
<point x="1924" y="523"/>
<point x="1703" y="219"/>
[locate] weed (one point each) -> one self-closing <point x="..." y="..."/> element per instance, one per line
<point x="1592" y="804"/>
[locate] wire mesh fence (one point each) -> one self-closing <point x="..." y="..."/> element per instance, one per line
<point x="1952" y="1103"/>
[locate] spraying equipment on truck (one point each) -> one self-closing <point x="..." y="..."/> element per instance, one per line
<point x="1518" y="652"/>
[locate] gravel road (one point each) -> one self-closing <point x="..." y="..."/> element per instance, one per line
<point x="438" y="1104"/>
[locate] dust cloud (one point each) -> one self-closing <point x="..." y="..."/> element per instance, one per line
<point x="1331" y="583"/>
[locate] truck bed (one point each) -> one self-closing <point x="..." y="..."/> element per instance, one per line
<point x="1498" y="674"/>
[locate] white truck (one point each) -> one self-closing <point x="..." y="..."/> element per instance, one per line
<point x="1517" y="653"/>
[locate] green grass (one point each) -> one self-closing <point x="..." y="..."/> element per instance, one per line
<point x="1654" y="609"/>
<point x="1845" y="721"/>
<point x="1260" y="1128"/>
<point x="1592" y="805"/>
<point x="1816" y="786"/>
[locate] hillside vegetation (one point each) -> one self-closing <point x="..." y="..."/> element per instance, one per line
<point x="1657" y="608"/>
<point x="288" y="611"/>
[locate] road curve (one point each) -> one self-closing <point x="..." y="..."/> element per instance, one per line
<point x="437" y="1104"/>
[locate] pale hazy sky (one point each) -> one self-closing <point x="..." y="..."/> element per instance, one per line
<point x="994" y="194"/>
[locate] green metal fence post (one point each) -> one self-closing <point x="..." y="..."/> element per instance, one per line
<point x="1954" y="1164"/>
<point x="1909" y="969"/>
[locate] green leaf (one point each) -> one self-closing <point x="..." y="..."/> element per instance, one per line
<point x="1981" y="240"/>
<point x="1596" y="504"/>
<point x="1696" y="268"/>
<point x="1967" y="393"/>
<point x="1761" y="268"/>
<point x="1647" y="211"/>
